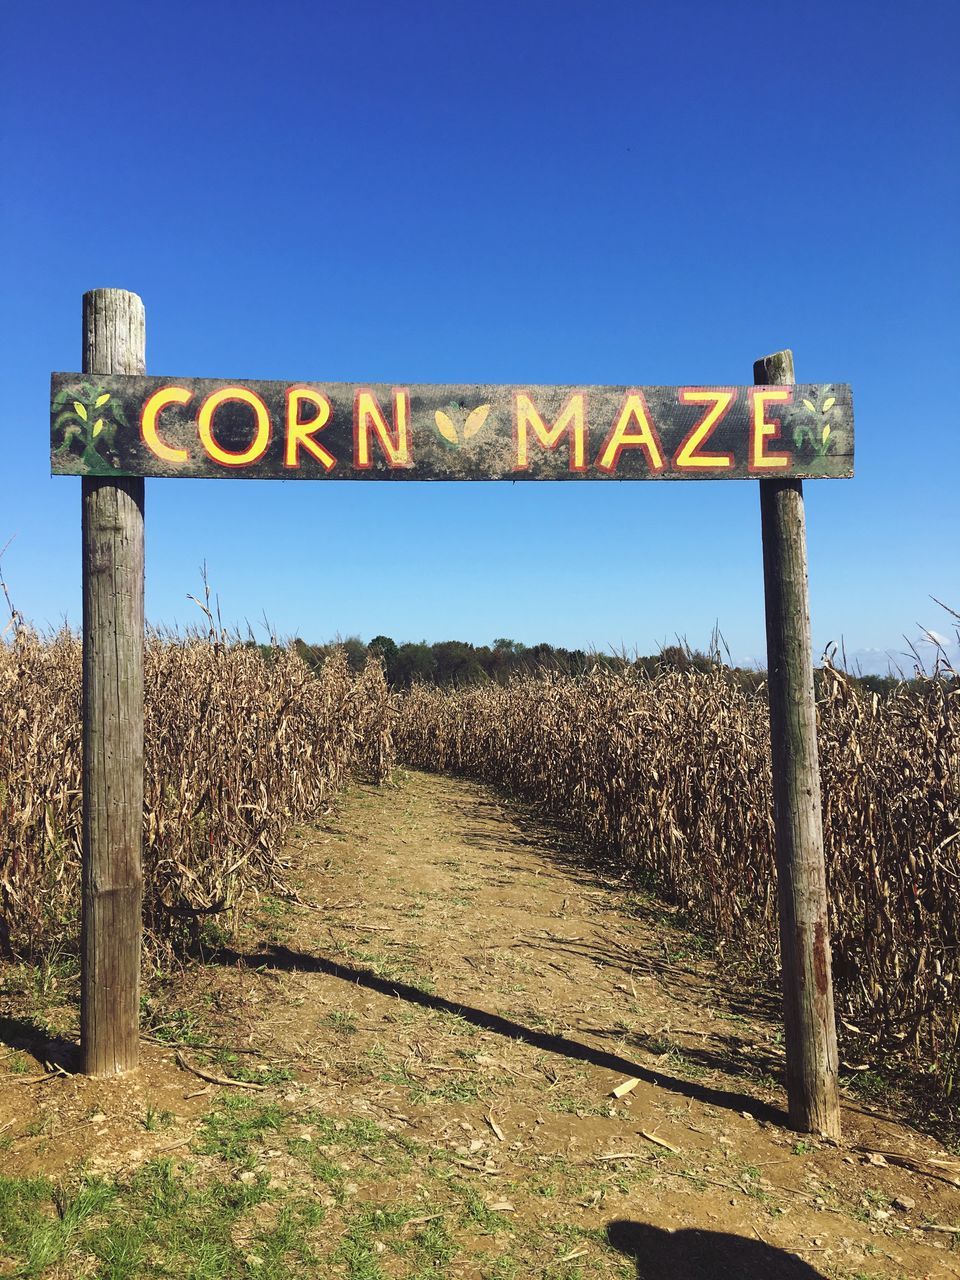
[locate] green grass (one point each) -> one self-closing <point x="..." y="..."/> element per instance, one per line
<point x="346" y="1198"/>
<point x="239" y="1068"/>
<point x="399" y="964"/>
<point x="158" y="1223"/>
<point x="171" y="1026"/>
<point x="238" y="1123"/>
<point x="343" y="1021"/>
<point x="870" y="1086"/>
<point x="452" y="1087"/>
<point x="569" y="1105"/>
<point x="154" y="1121"/>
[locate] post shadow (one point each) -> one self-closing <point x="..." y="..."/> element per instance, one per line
<point x="280" y="957"/>
<point x="703" y="1255"/>
<point x="30" y="1036"/>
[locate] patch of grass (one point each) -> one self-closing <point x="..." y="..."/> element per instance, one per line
<point x="40" y="1219"/>
<point x="452" y="1024"/>
<point x="475" y="1212"/>
<point x="172" y="1026"/>
<point x="157" y="1223"/>
<point x="397" y="965"/>
<point x="237" y="1068"/>
<point x="276" y="1249"/>
<point x="342" y="1020"/>
<point x="237" y="1124"/>
<point x="321" y="1135"/>
<point x="504" y="1268"/>
<point x="876" y="1198"/>
<point x="452" y="1087"/>
<point x="568" y="1105"/>
<point x="356" y="1132"/>
<point x="213" y="937"/>
<point x="674" y="1057"/>
<point x="750" y="1183"/>
<point x="52" y="981"/>
<point x="363" y="1242"/>
<point x="154" y="1121"/>
<point x="870" y="1086"/>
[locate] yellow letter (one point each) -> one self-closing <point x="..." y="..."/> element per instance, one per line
<point x="570" y="418"/>
<point x="760" y="460"/>
<point x="148" y="422"/>
<point x="301" y="433"/>
<point x="257" y="447"/>
<point x="634" y="406"/>
<point x="367" y="413"/>
<point x="687" y="455"/>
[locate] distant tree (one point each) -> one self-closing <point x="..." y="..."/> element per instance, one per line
<point x="314" y="655"/>
<point x="415" y="663"/>
<point x="356" y="652"/>
<point x="541" y="657"/>
<point x="882" y="685"/>
<point x="673" y="657"/>
<point x="456" y="663"/>
<point x="383" y="645"/>
<point x="387" y="651"/>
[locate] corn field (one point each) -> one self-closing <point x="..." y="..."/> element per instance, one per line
<point x="665" y="777"/>
<point x="668" y="778"/>
<point x="238" y="747"/>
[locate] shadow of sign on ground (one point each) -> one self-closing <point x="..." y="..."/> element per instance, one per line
<point x="703" y="1255"/>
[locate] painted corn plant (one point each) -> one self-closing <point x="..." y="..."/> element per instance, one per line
<point x="86" y="422"/>
<point x="814" y="430"/>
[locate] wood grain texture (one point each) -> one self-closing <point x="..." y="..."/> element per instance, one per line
<point x="452" y="432"/>
<point x="809" y="1020"/>
<point x="113" y="633"/>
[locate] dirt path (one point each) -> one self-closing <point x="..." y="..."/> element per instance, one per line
<point x="443" y="1018"/>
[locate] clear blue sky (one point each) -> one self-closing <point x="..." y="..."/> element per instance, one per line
<point x="503" y="192"/>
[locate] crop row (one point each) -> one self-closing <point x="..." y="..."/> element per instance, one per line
<point x="668" y="777"/>
<point x="239" y="745"/>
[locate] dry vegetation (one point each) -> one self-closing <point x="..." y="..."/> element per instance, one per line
<point x="668" y="778"/>
<point x="239" y="745"/>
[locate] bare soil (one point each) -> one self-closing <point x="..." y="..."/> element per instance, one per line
<point x="453" y="973"/>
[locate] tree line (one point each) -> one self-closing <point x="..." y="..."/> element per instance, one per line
<point x="460" y="663"/>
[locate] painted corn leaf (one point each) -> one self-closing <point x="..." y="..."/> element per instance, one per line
<point x="98" y="426"/>
<point x="446" y="427"/>
<point x="826" y="433"/>
<point x="81" y="411"/>
<point x="829" y="403"/>
<point x="475" y="421"/>
<point x="102" y="399"/>
<point x="810" y="405"/>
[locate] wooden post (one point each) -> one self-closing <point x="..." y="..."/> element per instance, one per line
<point x="809" y="1023"/>
<point x="113" y="342"/>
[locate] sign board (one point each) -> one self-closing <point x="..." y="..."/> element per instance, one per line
<point x="125" y="425"/>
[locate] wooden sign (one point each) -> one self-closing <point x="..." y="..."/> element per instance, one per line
<point x="126" y="425"/>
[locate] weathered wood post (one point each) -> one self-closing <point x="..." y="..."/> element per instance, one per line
<point x="114" y="341"/>
<point x="809" y="1022"/>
